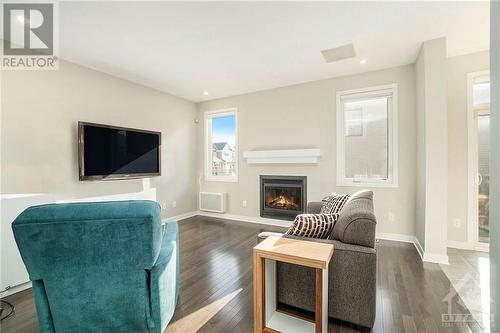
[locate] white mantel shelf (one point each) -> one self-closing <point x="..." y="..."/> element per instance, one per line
<point x="284" y="156"/>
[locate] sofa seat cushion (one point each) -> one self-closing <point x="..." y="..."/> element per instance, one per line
<point x="313" y="225"/>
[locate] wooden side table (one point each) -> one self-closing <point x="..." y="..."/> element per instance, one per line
<point x="300" y="252"/>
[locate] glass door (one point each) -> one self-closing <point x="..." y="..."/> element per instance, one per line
<point x="479" y="159"/>
<point x="483" y="177"/>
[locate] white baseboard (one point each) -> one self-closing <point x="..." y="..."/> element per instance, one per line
<point x="427" y="257"/>
<point x="482" y="248"/>
<point x="16" y="289"/>
<point x="181" y="216"/>
<point x="402" y="238"/>
<point x="468" y="246"/>
<point x="435" y="258"/>
<point x="250" y="219"/>
<point x="419" y="248"/>
<point x="395" y="237"/>
<point x="460" y="245"/>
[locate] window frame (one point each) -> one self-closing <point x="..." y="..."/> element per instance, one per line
<point x="208" y="116"/>
<point x="393" y="138"/>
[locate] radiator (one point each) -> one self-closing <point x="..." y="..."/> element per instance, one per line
<point x="213" y="202"/>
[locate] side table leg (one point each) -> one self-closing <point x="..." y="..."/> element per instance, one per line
<point x="258" y="293"/>
<point x="321" y="316"/>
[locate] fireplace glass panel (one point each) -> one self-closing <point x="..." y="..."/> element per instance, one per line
<point x="282" y="197"/>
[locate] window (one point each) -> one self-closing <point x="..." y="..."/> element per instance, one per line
<point x="481" y="93"/>
<point x="221" y="145"/>
<point x="367" y="151"/>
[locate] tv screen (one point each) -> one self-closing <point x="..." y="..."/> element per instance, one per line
<point x="109" y="152"/>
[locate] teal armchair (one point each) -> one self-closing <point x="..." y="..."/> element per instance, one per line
<point x="100" y="267"/>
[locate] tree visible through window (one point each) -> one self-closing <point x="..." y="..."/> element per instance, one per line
<point x="221" y="144"/>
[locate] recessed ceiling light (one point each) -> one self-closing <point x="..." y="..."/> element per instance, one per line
<point x="362" y="62"/>
<point x="205" y="93"/>
<point x="20" y="18"/>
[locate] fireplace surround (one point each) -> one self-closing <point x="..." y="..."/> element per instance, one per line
<point x="282" y="197"/>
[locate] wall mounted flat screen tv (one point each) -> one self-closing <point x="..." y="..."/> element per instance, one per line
<point x="109" y="152"/>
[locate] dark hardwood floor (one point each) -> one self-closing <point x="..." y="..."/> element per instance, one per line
<point x="216" y="286"/>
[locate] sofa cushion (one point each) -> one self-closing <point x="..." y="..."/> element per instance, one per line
<point x="356" y="223"/>
<point x="334" y="203"/>
<point x="313" y="225"/>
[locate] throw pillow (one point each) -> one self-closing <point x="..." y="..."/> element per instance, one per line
<point x="313" y="225"/>
<point x="334" y="203"/>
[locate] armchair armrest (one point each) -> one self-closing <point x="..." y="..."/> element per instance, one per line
<point x="164" y="279"/>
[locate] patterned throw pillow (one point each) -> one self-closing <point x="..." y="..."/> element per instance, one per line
<point x="334" y="203"/>
<point x="313" y="225"/>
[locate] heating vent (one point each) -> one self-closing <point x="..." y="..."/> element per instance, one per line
<point x="213" y="202"/>
<point x="339" y="53"/>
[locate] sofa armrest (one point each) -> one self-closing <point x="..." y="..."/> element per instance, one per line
<point x="337" y="244"/>
<point x="263" y="235"/>
<point x="356" y="224"/>
<point x="351" y="284"/>
<point x="314" y="207"/>
<point x="310" y="239"/>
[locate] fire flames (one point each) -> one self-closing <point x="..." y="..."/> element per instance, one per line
<point x="282" y="201"/>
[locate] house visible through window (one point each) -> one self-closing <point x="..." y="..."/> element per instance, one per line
<point x="366" y="137"/>
<point x="221" y="158"/>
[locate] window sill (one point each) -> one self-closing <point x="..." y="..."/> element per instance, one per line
<point x="221" y="179"/>
<point x="367" y="184"/>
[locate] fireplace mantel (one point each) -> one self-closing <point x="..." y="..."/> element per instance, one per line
<point x="284" y="156"/>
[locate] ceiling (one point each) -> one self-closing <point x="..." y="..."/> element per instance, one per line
<point x="231" y="48"/>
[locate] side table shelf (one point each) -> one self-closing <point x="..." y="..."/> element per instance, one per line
<point x="295" y="251"/>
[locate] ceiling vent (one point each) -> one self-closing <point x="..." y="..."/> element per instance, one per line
<point x="339" y="53"/>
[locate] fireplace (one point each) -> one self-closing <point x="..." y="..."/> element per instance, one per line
<point x="283" y="197"/>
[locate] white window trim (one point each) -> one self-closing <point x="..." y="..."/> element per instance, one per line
<point x="207" y="167"/>
<point x="393" y="165"/>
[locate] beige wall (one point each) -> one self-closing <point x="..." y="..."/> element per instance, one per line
<point x="40" y="111"/>
<point x="495" y="166"/>
<point x="432" y="151"/>
<point x="420" y="140"/>
<point x="303" y="116"/>
<point x="436" y="149"/>
<point x="457" y="70"/>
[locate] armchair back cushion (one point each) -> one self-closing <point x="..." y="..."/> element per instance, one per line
<point x="92" y="264"/>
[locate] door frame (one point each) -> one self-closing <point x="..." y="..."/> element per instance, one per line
<point x="472" y="161"/>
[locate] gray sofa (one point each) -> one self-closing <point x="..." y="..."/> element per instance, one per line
<point x="352" y="270"/>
